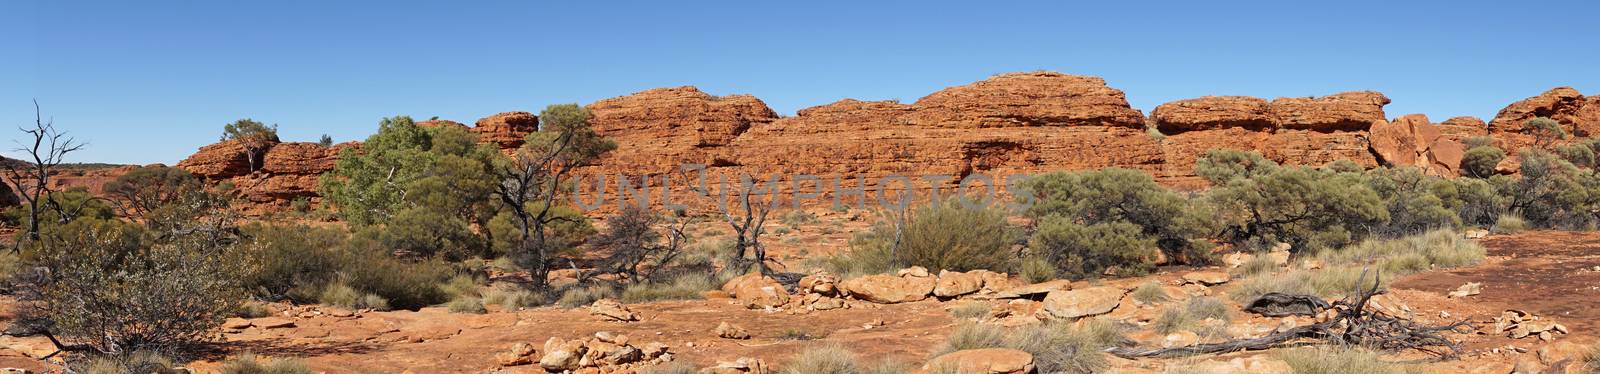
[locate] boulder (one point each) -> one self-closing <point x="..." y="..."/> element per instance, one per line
<point x="1412" y="140"/>
<point x="757" y="291"/>
<point x="726" y="330"/>
<point x="982" y="361"/>
<point x="1083" y="302"/>
<point x="1208" y="278"/>
<point x="519" y="354"/>
<point x="889" y="289"/>
<point x="743" y="365"/>
<point x="612" y="310"/>
<point x="1345" y="111"/>
<point x="952" y="284"/>
<point x="823" y="283"/>
<point x="562" y="355"/>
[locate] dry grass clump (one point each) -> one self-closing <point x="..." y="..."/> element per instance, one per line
<point x="971" y="309"/>
<point x="1035" y="270"/>
<point x="1509" y="224"/>
<point x="1440" y="249"/>
<point x="683" y="287"/>
<point x="1190" y="314"/>
<point x="1056" y="347"/>
<point x="513" y="299"/>
<point x="1336" y="360"/>
<point x="835" y="359"/>
<point x="250" y="364"/>
<point x="1255" y="267"/>
<point x="580" y="296"/>
<point x="1150" y="293"/>
<point x="136" y="362"/>
<point x="343" y="296"/>
<point x="469" y="305"/>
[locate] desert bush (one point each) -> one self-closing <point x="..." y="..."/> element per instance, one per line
<point x="295" y="261"/>
<point x="1579" y="154"/>
<point x="405" y="283"/>
<point x="423" y="233"/>
<point x="1509" y="224"/>
<point x="940" y="235"/>
<point x="461" y="285"/>
<point x="1036" y="269"/>
<point x="1117" y="195"/>
<point x="1220" y="166"/>
<point x="1477" y="141"/>
<point x="74" y="202"/>
<point x="250" y="364"/>
<point x="112" y="288"/>
<point x="1552" y="192"/>
<point x="466" y="304"/>
<point x="1412" y="200"/>
<point x="1335" y="360"/>
<point x="1545" y="131"/>
<point x="970" y="309"/>
<point x="251" y="310"/>
<point x="682" y="287"/>
<point x="564" y="235"/>
<point x="147" y="189"/>
<point x="1307" y="208"/>
<point x="1084" y="251"/>
<point x="1343" y="166"/>
<point x="1480" y="162"/>
<point x="579" y="296"/>
<point x="1478" y="202"/>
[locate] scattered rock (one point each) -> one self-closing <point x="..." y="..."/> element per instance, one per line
<point x="610" y="309"/>
<point x="1469" y="289"/>
<point x="914" y="271"/>
<point x="729" y="331"/>
<point x="562" y="355"/>
<point x="823" y="283"/>
<point x="1519" y="324"/>
<point x="744" y="365"/>
<point x="982" y="361"/>
<point x="1083" y="302"/>
<point x="519" y="354"/>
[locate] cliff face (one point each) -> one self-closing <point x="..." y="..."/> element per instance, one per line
<point x="1020" y="123"/>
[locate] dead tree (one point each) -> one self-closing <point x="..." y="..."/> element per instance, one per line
<point x="748" y="226"/>
<point x="30" y="179"/>
<point x="1351" y="324"/>
<point x="537" y="174"/>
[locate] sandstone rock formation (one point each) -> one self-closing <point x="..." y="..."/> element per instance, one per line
<point x="982" y="361"/>
<point x="1412" y="140"/>
<point x="1297" y="131"/>
<point x="287" y="171"/>
<point x="1578" y="115"/>
<point x="505" y="130"/>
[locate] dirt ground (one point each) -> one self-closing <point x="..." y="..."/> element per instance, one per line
<point x="1548" y="273"/>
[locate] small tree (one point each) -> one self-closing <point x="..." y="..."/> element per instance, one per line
<point x="1480" y="162"/>
<point x="1545" y="131"/>
<point x="536" y="175"/>
<point x="144" y="190"/>
<point x="1308" y="208"/>
<point x="255" y="136"/>
<point x="1086" y="251"/>
<point x="325" y="141"/>
<point x="748" y="225"/>
<point x="30" y="179"/>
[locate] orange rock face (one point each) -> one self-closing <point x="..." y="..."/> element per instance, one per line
<point x="288" y="170"/>
<point x="506" y="130"/>
<point x="1294" y="131"/>
<point x="1578" y="115"/>
<point x="1213" y="113"/>
<point x="1412" y="140"/>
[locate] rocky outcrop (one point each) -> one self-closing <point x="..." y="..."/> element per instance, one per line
<point x="505" y="130"/>
<point x="1578" y="115"/>
<point x="1412" y="140"/>
<point x="286" y="171"/>
<point x="1460" y="129"/>
<point x="1213" y="113"/>
<point x="1296" y="131"/>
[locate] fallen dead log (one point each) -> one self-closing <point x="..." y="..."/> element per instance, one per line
<point x="1352" y="324"/>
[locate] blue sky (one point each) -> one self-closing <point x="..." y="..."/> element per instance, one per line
<point x="147" y="82"/>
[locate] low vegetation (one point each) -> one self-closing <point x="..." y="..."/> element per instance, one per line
<point x="1336" y="360"/>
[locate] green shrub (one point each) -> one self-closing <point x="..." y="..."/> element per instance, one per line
<point x="1478" y="202"/>
<point x="942" y="235"/>
<point x="1552" y="192"/>
<point x="1480" y="162"/>
<point x="461" y="286"/>
<point x="1036" y="269"/>
<point x="579" y="296"/>
<point x="1084" y="251"/>
<point x="470" y="305"/>
<point x="1412" y="200"/>
<point x="1114" y="195"/>
<point x="1544" y="130"/>
<point x="1308" y="208"/>
<point x="682" y="287"/>
<point x="250" y="364"/>
<point x="1220" y="166"/>
<point x="1579" y="154"/>
<point x="1478" y="141"/>
<point x="1335" y="360"/>
<point x="296" y="261"/>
